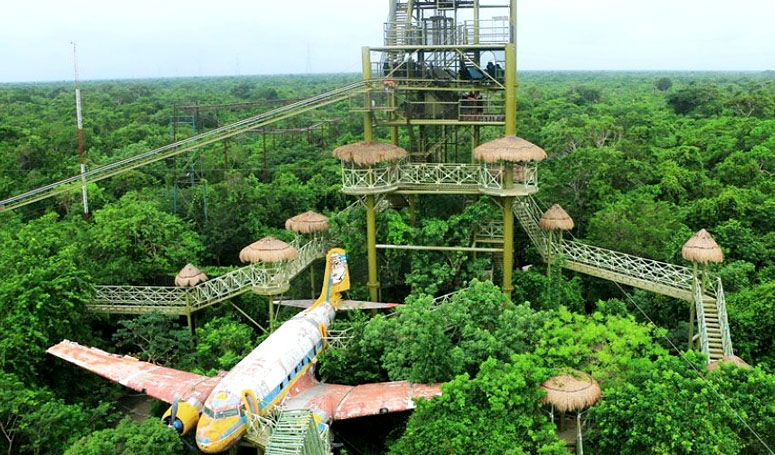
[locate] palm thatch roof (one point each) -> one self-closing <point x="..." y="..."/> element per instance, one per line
<point x="189" y="276"/>
<point x="702" y="248"/>
<point x="556" y="218"/>
<point x="509" y="148"/>
<point x="732" y="359"/>
<point x="571" y="392"/>
<point x="268" y="249"/>
<point x="367" y="153"/>
<point x="307" y="222"/>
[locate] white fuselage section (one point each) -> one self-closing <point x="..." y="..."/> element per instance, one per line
<point x="270" y="369"/>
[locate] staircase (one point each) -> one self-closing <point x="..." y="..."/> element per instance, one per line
<point x="296" y="433"/>
<point x="660" y="277"/>
<point x="189" y="144"/>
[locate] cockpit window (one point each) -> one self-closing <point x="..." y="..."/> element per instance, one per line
<point x="227" y="413"/>
<point x="208" y="412"/>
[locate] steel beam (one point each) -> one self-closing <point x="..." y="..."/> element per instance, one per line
<point x="465" y="249"/>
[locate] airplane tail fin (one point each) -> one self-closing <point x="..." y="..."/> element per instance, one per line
<point x="337" y="277"/>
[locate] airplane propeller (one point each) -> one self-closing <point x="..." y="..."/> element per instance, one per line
<point x="177" y="425"/>
<point x="174" y="421"/>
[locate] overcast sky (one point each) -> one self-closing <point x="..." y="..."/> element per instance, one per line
<point x="174" y="38"/>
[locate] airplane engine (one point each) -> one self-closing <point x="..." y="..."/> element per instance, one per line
<point x="186" y="417"/>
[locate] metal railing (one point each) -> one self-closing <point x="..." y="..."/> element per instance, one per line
<point x="491" y="176"/>
<point x="188" y="144"/>
<point x="664" y="278"/>
<point x="446" y="174"/>
<point x="268" y="279"/>
<point x="435" y="176"/>
<point x="413" y="34"/>
<point x="492" y="230"/>
<point x="370" y="179"/>
<point x="701" y="321"/>
<point x="490" y="31"/>
<point x="723" y="320"/>
<point x="670" y="279"/>
<point x="295" y="433"/>
<point x="478" y="110"/>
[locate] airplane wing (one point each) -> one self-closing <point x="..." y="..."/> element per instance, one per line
<point x="158" y="382"/>
<point x="344" y="305"/>
<point x="340" y="402"/>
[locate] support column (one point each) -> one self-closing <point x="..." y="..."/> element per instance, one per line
<point x="394" y="117"/>
<point x="371" y="223"/>
<point x="477" y="59"/>
<point x="190" y="318"/>
<point x="475" y="141"/>
<point x="368" y="125"/>
<point x="313" y="292"/>
<point x="371" y="245"/>
<point x="510" y="76"/>
<point x="271" y="313"/>
<point x="692" y="308"/>
<point x="508" y="168"/>
<point x="508" y="230"/>
<point x="413" y="202"/>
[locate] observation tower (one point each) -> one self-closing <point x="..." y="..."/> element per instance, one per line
<point x="446" y="69"/>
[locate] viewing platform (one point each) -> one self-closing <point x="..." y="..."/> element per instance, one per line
<point x="441" y="178"/>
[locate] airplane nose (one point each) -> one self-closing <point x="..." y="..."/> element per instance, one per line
<point x="215" y="436"/>
<point x="206" y="440"/>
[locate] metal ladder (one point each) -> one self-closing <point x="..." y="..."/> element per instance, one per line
<point x="660" y="277"/>
<point x="295" y="433"/>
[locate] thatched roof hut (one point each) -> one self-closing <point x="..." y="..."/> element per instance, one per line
<point x="556" y="218"/>
<point x="702" y="248"/>
<point x="368" y="153"/>
<point x="268" y="249"/>
<point x="509" y="148"/>
<point x="307" y="223"/>
<point x="189" y="276"/>
<point x="732" y="359"/>
<point x="571" y="392"/>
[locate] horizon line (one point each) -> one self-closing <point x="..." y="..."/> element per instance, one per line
<point x="237" y="76"/>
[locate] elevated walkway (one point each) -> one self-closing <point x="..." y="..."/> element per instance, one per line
<point x="264" y="279"/>
<point x="186" y="145"/>
<point x="660" y="277"/>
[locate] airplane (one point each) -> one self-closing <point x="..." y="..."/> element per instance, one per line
<point x="277" y="373"/>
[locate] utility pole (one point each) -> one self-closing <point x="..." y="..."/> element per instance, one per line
<point x="79" y="119"/>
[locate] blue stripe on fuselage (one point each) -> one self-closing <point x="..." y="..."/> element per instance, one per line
<point x="277" y="391"/>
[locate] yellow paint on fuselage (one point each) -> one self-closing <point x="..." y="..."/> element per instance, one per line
<point x="221" y="434"/>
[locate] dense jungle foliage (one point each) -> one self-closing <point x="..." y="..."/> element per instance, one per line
<point x="641" y="161"/>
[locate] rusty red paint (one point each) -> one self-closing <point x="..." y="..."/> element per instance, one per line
<point x="339" y="402"/>
<point x="158" y="382"/>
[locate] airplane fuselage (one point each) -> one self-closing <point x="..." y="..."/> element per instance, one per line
<point x="263" y="378"/>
